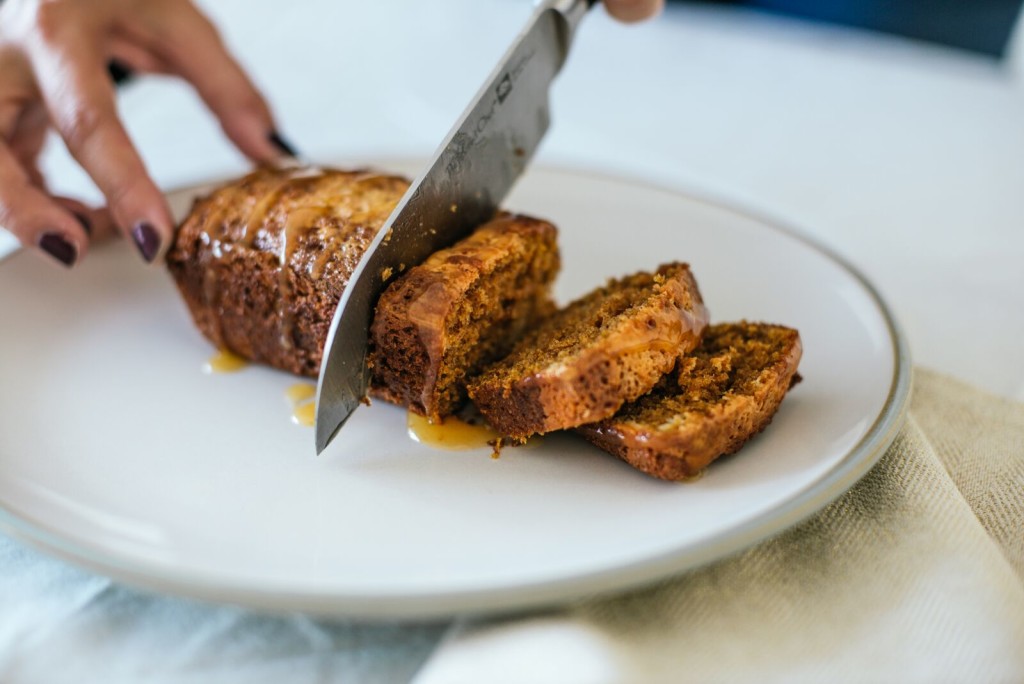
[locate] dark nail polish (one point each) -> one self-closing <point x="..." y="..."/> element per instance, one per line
<point x="119" y="72"/>
<point x="85" y="223"/>
<point x="281" y="144"/>
<point x="147" y="240"/>
<point x="60" y="249"/>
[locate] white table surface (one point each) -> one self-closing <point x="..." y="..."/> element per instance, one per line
<point x="905" y="158"/>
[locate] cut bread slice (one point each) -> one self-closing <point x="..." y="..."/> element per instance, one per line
<point x="718" y="397"/>
<point x="462" y="308"/>
<point x="588" y="359"/>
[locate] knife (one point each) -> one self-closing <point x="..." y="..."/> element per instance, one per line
<point x="466" y="179"/>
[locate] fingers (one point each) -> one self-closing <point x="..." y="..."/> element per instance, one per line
<point x="79" y="96"/>
<point x="98" y="223"/>
<point x="126" y="55"/>
<point x="633" y="10"/>
<point x="26" y="134"/>
<point x="36" y="219"/>
<point x="191" y="47"/>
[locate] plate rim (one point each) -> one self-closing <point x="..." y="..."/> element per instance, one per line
<point x="417" y="606"/>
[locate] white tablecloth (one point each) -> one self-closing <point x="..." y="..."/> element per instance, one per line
<point x="907" y="159"/>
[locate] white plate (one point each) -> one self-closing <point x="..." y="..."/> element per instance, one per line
<point x="118" y="453"/>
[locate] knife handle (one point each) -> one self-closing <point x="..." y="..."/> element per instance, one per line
<point x="571" y="10"/>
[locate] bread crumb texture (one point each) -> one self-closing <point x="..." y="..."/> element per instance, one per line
<point x="262" y="262"/>
<point x="463" y="308"/>
<point x="585" y="361"/>
<point x="717" y="398"/>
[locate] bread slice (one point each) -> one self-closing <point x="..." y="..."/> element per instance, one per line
<point x="262" y="262"/>
<point x="585" y="361"/>
<point x="461" y="309"/>
<point x="717" y="398"/>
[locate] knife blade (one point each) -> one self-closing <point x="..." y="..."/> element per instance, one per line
<point x="465" y="181"/>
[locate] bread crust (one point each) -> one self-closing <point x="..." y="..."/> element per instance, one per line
<point x="462" y="308"/>
<point x="262" y="262"/>
<point x="627" y="355"/>
<point x="680" y="447"/>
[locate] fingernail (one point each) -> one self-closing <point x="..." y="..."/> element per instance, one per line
<point x="119" y="72"/>
<point x="147" y="240"/>
<point x="85" y="223"/>
<point x="281" y="144"/>
<point x="60" y="249"/>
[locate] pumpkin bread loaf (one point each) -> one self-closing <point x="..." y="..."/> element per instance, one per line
<point x="717" y="398"/>
<point x="441" y="322"/>
<point x="585" y="361"/>
<point x="262" y="262"/>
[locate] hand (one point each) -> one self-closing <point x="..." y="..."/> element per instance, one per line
<point x="633" y="10"/>
<point x="53" y="72"/>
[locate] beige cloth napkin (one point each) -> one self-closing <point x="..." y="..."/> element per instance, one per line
<point x="915" y="575"/>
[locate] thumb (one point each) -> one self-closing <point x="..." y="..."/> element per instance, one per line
<point x="633" y="10"/>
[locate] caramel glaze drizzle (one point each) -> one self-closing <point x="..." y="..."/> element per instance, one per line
<point x="294" y="221"/>
<point x="452" y="433"/>
<point x="429" y="310"/>
<point x="257" y="230"/>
